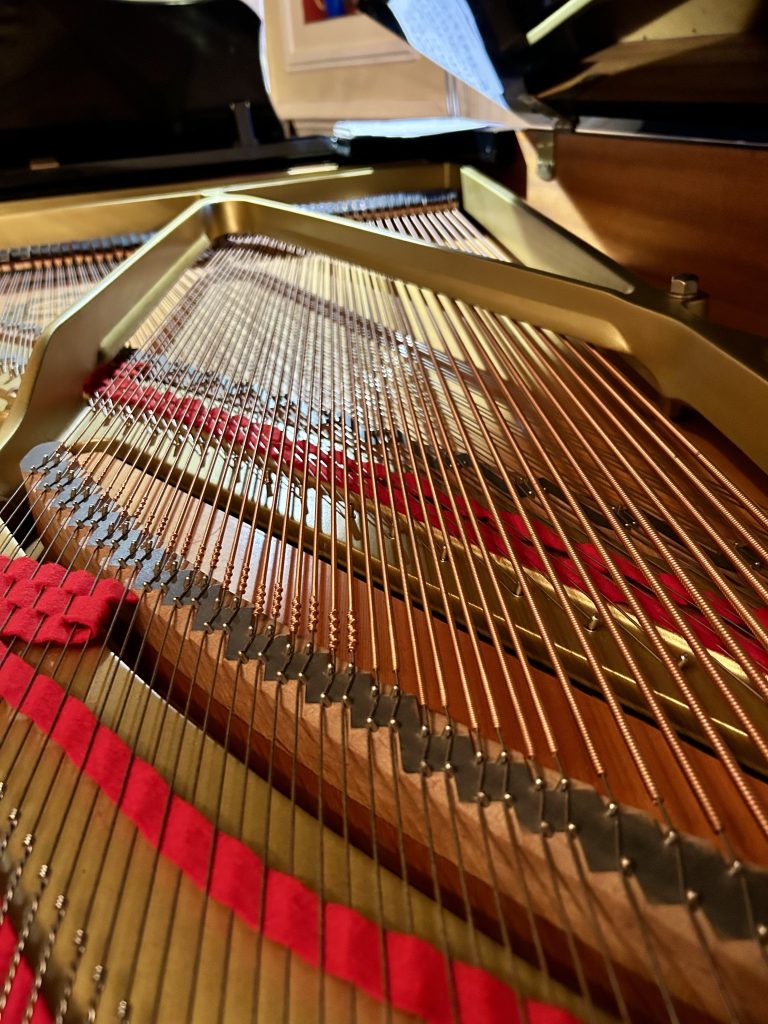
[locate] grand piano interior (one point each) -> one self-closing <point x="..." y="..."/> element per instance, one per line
<point x="384" y="524"/>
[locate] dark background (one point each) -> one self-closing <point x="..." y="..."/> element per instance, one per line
<point x="88" y="80"/>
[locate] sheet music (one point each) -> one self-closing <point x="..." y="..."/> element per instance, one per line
<point x="446" y="32"/>
<point x="406" y="128"/>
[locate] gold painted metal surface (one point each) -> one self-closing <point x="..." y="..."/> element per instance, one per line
<point x="95" y="330"/>
<point x="540" y="244"/>
<point x="537" y="242"/>
<point x="50" y="397"/>
<point x="86" y="215"/>
<point x="467" y="367"/>
<point x="722" y="374"/>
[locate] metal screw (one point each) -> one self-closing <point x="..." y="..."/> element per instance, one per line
<point x="684" y="286"/>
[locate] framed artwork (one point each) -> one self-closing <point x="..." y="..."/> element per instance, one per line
<point x="332" y="33"/>
<point x="319" y="10"/>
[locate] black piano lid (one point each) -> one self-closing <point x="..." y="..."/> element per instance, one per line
<point x="703" y="76"/>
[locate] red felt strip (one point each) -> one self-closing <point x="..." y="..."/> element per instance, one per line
<point x="48" y="604"/>
<point x="366" y="478"/>
<point x="351" y="949"/>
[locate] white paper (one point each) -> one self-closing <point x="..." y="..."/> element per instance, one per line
<point x="406" y="128"/>
<point x="446" y="32"/>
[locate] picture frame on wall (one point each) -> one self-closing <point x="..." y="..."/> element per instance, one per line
<point x="320" y="10"/>
<point x="324" y="33"/>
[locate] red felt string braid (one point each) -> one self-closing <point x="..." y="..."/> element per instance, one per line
<point x="351" y="947"/>
<point x="49" y="604"/>
<point x="372" y="478"/>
